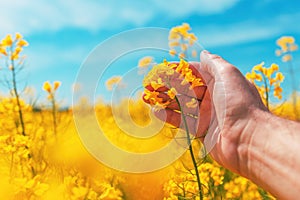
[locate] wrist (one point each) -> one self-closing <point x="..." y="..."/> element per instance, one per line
<point x="253" y="137"/>
<point x="268" y="153"/>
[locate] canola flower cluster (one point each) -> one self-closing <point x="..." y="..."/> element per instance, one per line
<point x="12" y="47"/>
<point x="181" y="41"/>
<point x="266" y="80"/>
<point x="287" y="45"/>
<point x="242" y="188"/>
<point x="184" y="184"/>
<point x="39" y="165"/>
<point x="162" y="75"/>
<point x="63" y="169"/>
<point x="51" y="89"/>
<point x="110" y="83"/>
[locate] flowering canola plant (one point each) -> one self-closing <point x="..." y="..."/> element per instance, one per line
<point x="266" y="80"/>
<point x="165" y="76"/>
<point x="41" y="165"/>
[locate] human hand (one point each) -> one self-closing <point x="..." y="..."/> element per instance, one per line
<point x="242" y="135"/>
<point x="226" y="110"/>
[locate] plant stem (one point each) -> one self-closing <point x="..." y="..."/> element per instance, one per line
<point x="54" y="114"/>
<point x="16" y="93"/>
<point x="266" y="91"/>
<point x="191" y="149"/>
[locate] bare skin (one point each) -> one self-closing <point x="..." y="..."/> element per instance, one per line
<point x="251" y="141"/>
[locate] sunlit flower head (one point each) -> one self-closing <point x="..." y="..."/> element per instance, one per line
<point x="286" y="58"/>
<point x="49" y="88"/>
<point x="172" y="93"/>
<point x="22" y="43"/>
<point x="285" y="42"/>
<point x="7" y="41"/>
<point x="56" y="85"/>
<point x="181" y="40"/>
<point x="266" y="80"/>
<point x="161" y="76"/>
<point x="18" y="36"/>
<point x="111" y="82"/>
<point x="192" y="104"/>
<point x="145" y="61"/>
<point x="287" y="45"/>
<point x="13" y="47"/>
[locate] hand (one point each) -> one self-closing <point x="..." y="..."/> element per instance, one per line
<point x="226" y="109"/>
<point x="242" y="135"/>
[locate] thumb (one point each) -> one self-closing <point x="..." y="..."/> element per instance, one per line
<point x="216" y="66"/>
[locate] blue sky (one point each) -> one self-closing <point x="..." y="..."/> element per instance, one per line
<point x="63" y="33"/>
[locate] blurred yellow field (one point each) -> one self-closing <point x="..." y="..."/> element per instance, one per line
<point x="43" y="151"/>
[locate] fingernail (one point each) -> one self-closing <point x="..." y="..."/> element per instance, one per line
<point x="206" y="52"/>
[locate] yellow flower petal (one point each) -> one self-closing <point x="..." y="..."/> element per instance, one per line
<point x="47" y="87"/>
<point x="172" y="52"/>
<point x="56" y="85"/>
<point x="145" y="61"/>
<point x="7" y="41"/>
<point x="22" y="43"/>
<point x="192" y="104"/>
<point x="18" y="36"/>
<point x="112" y="81"/>
<point x="172" y="93"/>
<point x="286" y="58"/>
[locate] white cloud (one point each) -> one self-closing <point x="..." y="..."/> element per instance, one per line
<point x="180" y="8"/>
<point x="247" y="31"/>
<point x="30" y="16"/>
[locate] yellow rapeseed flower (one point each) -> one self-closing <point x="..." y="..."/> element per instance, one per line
<point x="287" y="45"/>
<point x="274" y="67"/>
<point x="157" y="84"/>
<point x="145" y="61"/>
<point x="278" y="91"/>
<point x="7" y="41"/>
<point x="56" y="85"/>
<point x="278" y="52"/>
<point x="113" y="81"/>
<point x="293" y="47"/>
<point x="284" y="41"/>
<point x="172" y="52"/>
<point x="181" y="39"/>
<point x="18" y="36"/>
<point x="264" y="80"/>
<point x="172" y="93"/>
<point x="259" y="67"/>
<point x="3" y="50"/>
<point x="192" y="104"/>
<point x="182" y="55"/>
<point x="22" y="43"/>
<point x="279" y="76"/>
<point x="152" y="97"/>
<point x="286" y="58"/>
<point x="47" y="87"/>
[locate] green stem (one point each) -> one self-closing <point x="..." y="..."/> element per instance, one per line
<point x="16" y="93"/>
<point x="191" y="149"/>
<point x="54" y="114"/>
<point x="266" y="91"/>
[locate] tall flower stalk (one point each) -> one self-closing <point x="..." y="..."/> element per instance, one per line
<point x="287" y="46"/>
<point x="189" y="143"/>
<point x="11" y="48"/>
<point x="161" y="85"/>
<point x="266" y="80"/>
<point x="51" y="90"/>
